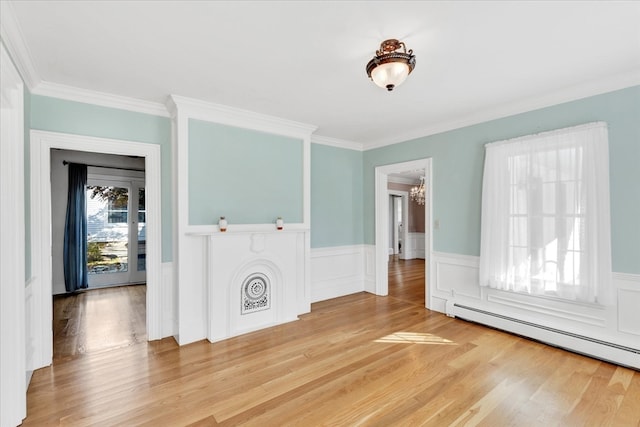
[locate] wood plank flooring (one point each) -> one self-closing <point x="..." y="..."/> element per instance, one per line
<point x="98" y="320"/>
<point x="357" y="360"/>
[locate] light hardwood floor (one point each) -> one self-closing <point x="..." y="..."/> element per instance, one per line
<point x="355" y="360"/>
<point x="98" y="320"/>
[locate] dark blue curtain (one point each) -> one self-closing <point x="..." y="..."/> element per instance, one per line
<point x="75" y="230"/>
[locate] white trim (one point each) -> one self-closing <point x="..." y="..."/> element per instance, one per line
<point x="230" y="116"/>
<point x="404" y="195"/>
<point x="338" y="143"/>
<point x="207" y="229"/>
<point x="627" y="277"/>
<point x="13" y="406"/>
<point x="168" y="314"/>
<point x="103" y="99"/>
<point x="459" y="259"/>
<point x="568" y="94"/>
<point x="346" y="275"/>
<point x="382" y="223"/>
<point x="41" y="145"/>
<point x="628" y="289"/>
<point x="457" y="282"/>
<point x="553" y="337"/>
<point x="13" y="39"/>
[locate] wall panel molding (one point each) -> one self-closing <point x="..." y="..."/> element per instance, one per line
<point x="337" y="271"/>
<point x="628" y="287"/>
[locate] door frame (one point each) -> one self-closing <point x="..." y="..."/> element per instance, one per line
<point x="41" y="264"/>
<point x="382" y="223"/>
<point x="404" y="195"/>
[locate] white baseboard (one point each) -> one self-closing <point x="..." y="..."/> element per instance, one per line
<point x="580" y="344"/>
<point x="456" y="281"/>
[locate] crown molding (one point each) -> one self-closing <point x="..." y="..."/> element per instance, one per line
<point x="13" y="40"/>
<point x="231" y="116"/>
<point x="338" y="143"/>
<point x="567" y="94"/>
<point x="103" y="99"/>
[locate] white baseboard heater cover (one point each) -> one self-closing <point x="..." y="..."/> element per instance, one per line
<point x="610" y="352"/>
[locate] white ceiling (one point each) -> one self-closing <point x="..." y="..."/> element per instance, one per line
<point x="305" y="61"/>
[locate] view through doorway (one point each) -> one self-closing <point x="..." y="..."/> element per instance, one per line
<point x="413" y="245"/>
<point x="406" y="268"/>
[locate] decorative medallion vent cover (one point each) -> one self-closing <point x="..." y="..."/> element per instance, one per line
<point x="256" y="294"/>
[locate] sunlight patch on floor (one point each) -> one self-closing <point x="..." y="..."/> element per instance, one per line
<point x="415" y="338"/>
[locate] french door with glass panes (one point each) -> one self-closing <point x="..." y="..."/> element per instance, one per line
<point x="116" y="237"/>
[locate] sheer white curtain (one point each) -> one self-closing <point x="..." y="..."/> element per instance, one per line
<point x="545" y="227"/>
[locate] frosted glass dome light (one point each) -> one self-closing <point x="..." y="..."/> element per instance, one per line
<point x="390" y="67"/>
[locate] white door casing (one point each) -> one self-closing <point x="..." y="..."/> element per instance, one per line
<point x="382" y="222"/>
<point x="41" y="144"/>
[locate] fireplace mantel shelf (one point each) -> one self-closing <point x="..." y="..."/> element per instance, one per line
<point x="234" y="229"/>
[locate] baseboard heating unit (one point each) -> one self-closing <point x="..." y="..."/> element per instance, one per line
<point x="610" y="352"/>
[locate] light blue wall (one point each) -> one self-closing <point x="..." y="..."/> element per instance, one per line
<point x="458" y="158"/>
<point x="336" y="197"/>
<point x="249" y="177"/>
<point x="57" y="115"/>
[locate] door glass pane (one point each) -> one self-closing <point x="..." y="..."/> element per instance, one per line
<point x="142" y="235"/>
<point x="107" y="229"/>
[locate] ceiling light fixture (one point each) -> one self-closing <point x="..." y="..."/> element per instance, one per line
<point x="390" y="67"/>
<point x="417" y="192"/>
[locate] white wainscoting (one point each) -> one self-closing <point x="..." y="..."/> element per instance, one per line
<point x="168" y="301"/>
<point x="341" y="270"/>
<point x="628" y="287"/>
<point x="414" y="246"/>
<point x="456" y="280"/>
<point x="29" y="335"/>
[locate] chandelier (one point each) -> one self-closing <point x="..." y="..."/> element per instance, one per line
<point x="390" y="67"/>
<point x="417" y="192"/>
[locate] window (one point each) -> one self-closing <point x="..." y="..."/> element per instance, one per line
<point x="545" y="215"/>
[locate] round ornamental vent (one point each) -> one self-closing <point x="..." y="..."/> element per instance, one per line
<point x="256" y="293"/>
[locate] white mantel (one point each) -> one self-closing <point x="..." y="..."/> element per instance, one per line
<point x="257" y="277"/>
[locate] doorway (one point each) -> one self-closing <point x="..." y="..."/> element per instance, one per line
<point x="382" y="213"/>
<point x="41" y="239"/>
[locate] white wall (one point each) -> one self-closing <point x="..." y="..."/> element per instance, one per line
<point x="59" y="183"/>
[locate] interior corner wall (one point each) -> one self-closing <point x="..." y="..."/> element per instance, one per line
<point x="458" y="158"/>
